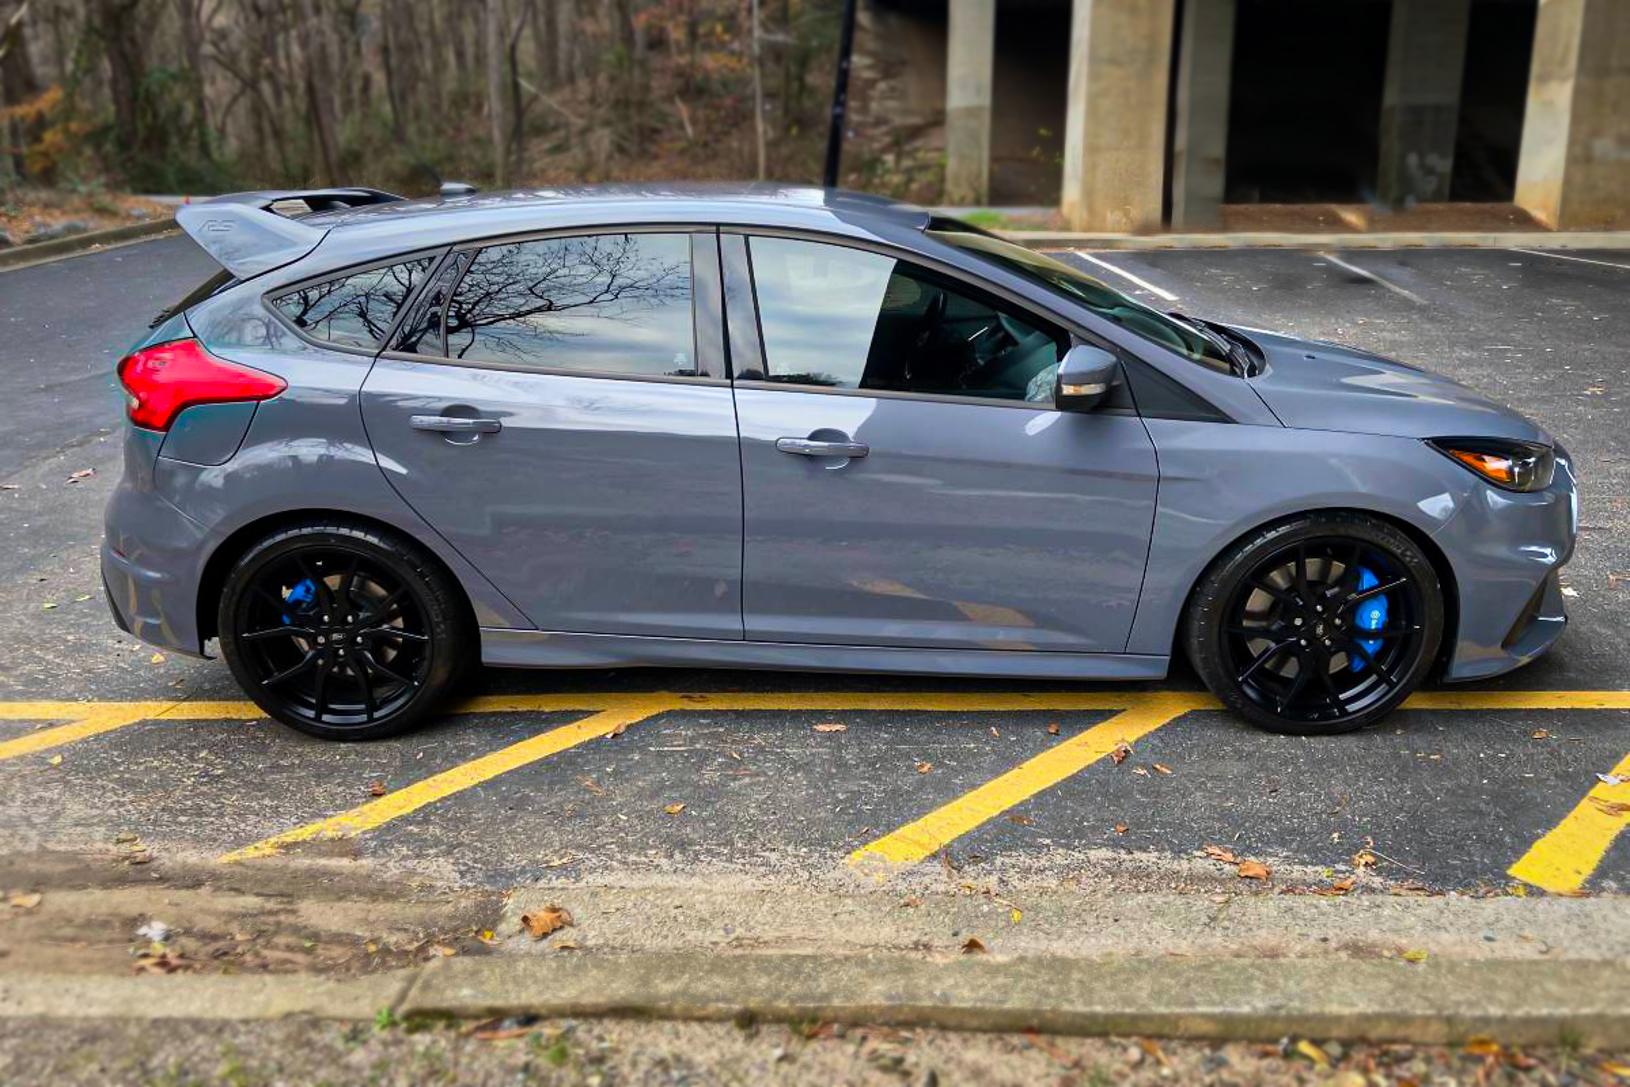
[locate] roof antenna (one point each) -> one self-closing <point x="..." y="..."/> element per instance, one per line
<point x="458" y="188"/>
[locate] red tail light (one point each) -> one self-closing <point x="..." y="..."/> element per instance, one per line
<point x="167" y="378"/>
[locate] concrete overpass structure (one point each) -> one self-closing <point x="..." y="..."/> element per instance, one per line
<point x="1172" y="109"/>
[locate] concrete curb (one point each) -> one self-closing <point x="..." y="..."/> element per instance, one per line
<point x="1241" y="999"/>
<point x="1434" y="1003"/>
<point x="29" y="254"/>
<point x="1524" y="239"/>
<point x="186" y="996"/>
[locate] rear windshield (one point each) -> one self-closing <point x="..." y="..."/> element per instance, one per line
<point x="1077" y="286"/>
<point x="220" y="281"/>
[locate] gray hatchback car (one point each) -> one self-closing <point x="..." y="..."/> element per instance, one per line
<point x="789" y="428"/>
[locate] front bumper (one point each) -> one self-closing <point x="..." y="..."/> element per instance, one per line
<point x="1507" y="551"/>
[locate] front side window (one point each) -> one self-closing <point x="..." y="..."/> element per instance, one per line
<point x="354" y="310"/>
<point x="851" y="319"/>
<point x="606" y="303"/>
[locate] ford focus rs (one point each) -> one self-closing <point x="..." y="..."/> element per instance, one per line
<point x="789" y="428"/>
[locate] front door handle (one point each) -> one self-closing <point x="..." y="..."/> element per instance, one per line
<point x="809" y="447"/>
<point x="455" y="424"/>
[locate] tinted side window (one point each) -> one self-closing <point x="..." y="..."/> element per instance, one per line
<point x="607" y="303"/>
<point x="852" y="319"/>
<point x="355" y="310"/>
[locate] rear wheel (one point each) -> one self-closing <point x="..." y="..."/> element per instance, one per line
<point x="342" y="632"/>
<point x="1320" y="624"/>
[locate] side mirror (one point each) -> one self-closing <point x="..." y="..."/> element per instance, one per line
<point x="1084" y="378"/>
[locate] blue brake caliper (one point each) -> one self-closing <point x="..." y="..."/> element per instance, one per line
<point x="1372" y="615"/>
<point x="300" y="598"/>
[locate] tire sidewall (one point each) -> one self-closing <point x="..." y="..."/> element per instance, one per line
<point x="1206" y="618"/>
<point x="424" y="583"/>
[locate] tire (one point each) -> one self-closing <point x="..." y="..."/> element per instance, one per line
<point x="1319" y="624"/>
<point x="343" y="631"/>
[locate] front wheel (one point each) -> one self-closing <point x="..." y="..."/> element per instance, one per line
<point x="342" y="631"/>
<point x="1320" y="624"/>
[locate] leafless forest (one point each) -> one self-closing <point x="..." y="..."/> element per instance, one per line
<point x="209" y="95"/>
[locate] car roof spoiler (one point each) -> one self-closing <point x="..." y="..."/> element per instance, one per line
<point x="246" y="237"/>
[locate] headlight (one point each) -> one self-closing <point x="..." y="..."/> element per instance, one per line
<point x="1516" y="466"/>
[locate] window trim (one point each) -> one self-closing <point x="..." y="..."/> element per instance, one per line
<point x="1078" y="332"/>
<point x="688" y="230"/>
<point x="437" y="256"/>
<point x="938" y="268"/>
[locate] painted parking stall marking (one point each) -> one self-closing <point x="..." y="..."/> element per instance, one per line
<point x="377" y="813"/>
<point x="1562" y="861"/>
<point x="926" y="836"/>
<point x="1565" y="858"/>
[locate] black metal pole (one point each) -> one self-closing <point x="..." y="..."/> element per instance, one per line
<point x="840" y="96"/>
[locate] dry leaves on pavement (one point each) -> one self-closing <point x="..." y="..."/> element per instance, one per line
<point x="1218" y="853"/>
<point x="1253" y="870"/>
<point x="1121" y="753"/>
<point x="549" y="919"/>
<point x="674" y="809"/>
<point x="924" y="767"/>
<point x="973" y="945"/>
<point x="24" y="900"/>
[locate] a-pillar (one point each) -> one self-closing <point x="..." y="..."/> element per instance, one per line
<point x="1205" y="66"/>
<point x="1115" y="114"/>
<point x="1574" y="168"/>
<point x="969" y="60"/>
<point x="1420" y="100"/>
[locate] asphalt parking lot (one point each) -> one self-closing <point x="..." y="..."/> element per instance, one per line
<point x="595" y="774"/>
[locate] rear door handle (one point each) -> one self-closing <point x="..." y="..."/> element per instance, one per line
<point x="809" y="447"/>
<point x="455" y="424"/>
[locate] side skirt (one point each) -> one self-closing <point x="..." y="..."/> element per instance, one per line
<point x="546" y="649"/>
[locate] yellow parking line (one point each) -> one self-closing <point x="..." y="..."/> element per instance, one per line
<point x="938" y="828"/>
<point x="376" y="813"/>
<point x="92" y="723"/>
<point x="1565" y="858"/>
<point x="1518" y="700"/>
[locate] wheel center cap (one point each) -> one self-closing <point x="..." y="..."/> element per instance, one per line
<point x="1318" y="629"/>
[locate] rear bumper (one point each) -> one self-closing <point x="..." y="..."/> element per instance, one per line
<point x="150" y="555"/>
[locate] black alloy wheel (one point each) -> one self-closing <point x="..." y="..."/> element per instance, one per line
<point x="1321" y="625"/>
<point x="341" y="632"/>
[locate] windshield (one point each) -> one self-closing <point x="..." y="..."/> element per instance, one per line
<point x="1055" y="275"/>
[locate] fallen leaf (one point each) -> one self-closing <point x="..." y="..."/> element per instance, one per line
<point x="1152" y="1048"/>
<point x="1414" y="955"/>
<point x="1253" y="870"/>
<point x="1141" y="771"/>
<point x="1218" y="853"/>
<point x="1540" y="734"/>
<point x="622" y="727"/>
<point x="1121" y="828"/>
<point x="1313" y="1053"/>
<point x="376" y="788"/>
<point x="1016" y="914"/>
<point x="1612" y="779"/>
<point x="973" y="945"/>
<point x="995" y="733"/>
<point x="488" y="937"/>
<point x="1614" y="808"/>
<point x="831" y="726"/>
<point x="549" y="919"/>
<point x="443" y="950"/>
<point x="564" y="945"/>
<point x="55" y="760"/>
<point x="1482" y="1047"/>
<point x="156" y="658"/>
<point x="589" y="784"/>
<point x="674" y="809"/>
<point x="1022" y="820"/>
<point x="1569" y="591"/>
<point x="1052" y="728"/>
<point x="1161" y="768"/>
<point x="924" y="767"/>
<point x="83" y="473"/>
<point x="1616" y="1068"/>
<point x="1363" y="859"/>
<point x="81" y="598"/>
<point x="1121" y="753"/>
<point x="24" y="900"/>
<point x="48" y="606"/>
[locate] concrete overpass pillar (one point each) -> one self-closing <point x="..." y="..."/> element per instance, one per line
<point x="1574" y="167"/>
<point x="1205" y="68"/>
<point x="969" y="61"/>
<point x="1420" y="99"/>
<point x="1115" y="114"/>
